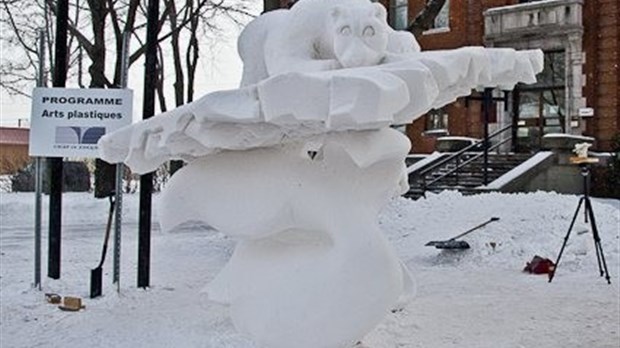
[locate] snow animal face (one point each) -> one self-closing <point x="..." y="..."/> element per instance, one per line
<point x="360" y="35"/>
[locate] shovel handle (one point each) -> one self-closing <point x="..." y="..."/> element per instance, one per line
<point x="475" y="228"/>
<point x="107" y="233"/>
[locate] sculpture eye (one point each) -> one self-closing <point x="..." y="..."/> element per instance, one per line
<point x="369" y="31"/>
<point x="346" y="30"/>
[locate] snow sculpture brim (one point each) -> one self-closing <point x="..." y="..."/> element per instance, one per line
<point x="294" y="106"/>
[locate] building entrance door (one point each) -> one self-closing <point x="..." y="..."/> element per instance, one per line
<point x="539" y="109"/>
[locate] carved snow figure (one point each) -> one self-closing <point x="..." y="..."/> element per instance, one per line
<point x="296" y="164"/>
<point x="319" y="35"/>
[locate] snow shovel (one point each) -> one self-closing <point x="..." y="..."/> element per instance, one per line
<point x="96" y="275"/>
<point x="453" y="243"/>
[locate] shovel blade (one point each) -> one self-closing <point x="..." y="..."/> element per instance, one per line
<point x="452" y="244"/>
<point x="96" y="276"/>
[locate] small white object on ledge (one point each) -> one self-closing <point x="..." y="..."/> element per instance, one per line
<point x="581" y="150"/>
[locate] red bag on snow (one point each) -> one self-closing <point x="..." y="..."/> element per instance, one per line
<point x="539" y="265"/>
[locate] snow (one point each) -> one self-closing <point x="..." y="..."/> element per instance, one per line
<point x="519" y="170"/>
<point x="310" y="171"/>
<point x="298" y="228"/>
<point x="273" y="111"/>
<point x="423" y="162"/>
<point x="527" y="6"/>
<point x="569" y="136"/>
<point x="300" y="195"/>
<point x="474" y="298"/>
<point x="453" y="137"/>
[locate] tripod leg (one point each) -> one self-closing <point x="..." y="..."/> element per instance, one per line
<point x="595" y="236"/>
<point x="572" y="223"/>
<point x="607" y="277"/>
<point x="600" y="256"/>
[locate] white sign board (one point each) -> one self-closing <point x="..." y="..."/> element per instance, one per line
<point x="68" y="122"/>
<point x="586" y="112"/>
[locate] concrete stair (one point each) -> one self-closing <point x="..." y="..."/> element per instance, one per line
<point x="468" y="177"/>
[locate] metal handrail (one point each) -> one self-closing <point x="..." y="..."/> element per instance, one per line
<point x="457" y="158"/>
<point x="461" y="152"/>
<point x="468" y="161"/>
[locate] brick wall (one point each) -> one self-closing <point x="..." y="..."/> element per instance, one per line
<point x="466" y="29"/>
<point x="601" y="42"/>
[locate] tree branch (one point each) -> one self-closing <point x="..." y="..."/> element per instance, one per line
<point x="425" y="18"/>
<point x="140" y="51"/>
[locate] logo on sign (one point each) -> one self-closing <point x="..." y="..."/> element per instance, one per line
<point x="79" y="135"/>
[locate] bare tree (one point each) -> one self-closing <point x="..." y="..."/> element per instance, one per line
<point x="25" y="19"/>
<point x="96" y="28"/>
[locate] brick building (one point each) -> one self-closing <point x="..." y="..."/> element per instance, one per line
<point x="581" y="41"/>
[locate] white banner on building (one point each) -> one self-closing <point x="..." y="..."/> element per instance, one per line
<point x="68" y="122"/>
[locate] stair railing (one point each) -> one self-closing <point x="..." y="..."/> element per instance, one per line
<point x="461" y="159"/>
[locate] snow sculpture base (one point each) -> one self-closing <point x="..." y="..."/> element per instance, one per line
<point x="311" y="268"/>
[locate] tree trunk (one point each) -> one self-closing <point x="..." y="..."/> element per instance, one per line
<point x="105" y="173"/>
<point x="424" y="20"/>
<point x="179" y="82"/>
<point x="96" y="70"/>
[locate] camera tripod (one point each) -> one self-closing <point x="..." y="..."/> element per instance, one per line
<point x="584" y="163"/>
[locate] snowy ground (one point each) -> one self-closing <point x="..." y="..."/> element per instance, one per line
<point x="477" y="298"/>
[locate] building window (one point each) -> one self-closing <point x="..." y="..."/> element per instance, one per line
<point x="436" y="122"/>
<point x="442" y="21"/>
<point x="541" y="106"/>
<point x="399" y="14"/>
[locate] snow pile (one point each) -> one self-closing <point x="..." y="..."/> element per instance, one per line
<point x="530" y="224"/>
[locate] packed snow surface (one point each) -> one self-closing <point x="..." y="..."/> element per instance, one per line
<point x="474" y="298"/>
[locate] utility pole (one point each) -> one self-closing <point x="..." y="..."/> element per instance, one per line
<point x="146" y="180"/>
<point x="56" y="163"/>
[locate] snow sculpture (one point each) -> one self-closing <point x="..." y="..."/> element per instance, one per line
<point x="311" y="268"/>
<point x="296" y="164"/>
<point x="319" y="35"/>
<point x="581" y="149"/>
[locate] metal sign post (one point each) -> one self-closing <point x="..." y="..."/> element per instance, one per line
<point x="38" y="176"/>
<point x="118" y="190"/>
<point x="38" y="172"/>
